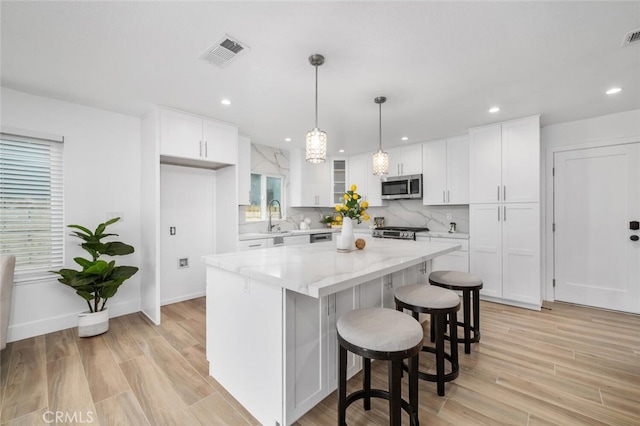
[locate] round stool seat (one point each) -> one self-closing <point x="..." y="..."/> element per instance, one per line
<point x="427" y="296"/>
<point x="380" y="329"/>
<point x="455" y="280"/>
<point x="469" y="285"/>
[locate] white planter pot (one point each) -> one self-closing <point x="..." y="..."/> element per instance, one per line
<point x="93" y="323"/>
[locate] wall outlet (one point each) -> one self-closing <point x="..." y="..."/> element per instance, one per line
<point x="449" y="217"/>
<point x="183" y="262"/>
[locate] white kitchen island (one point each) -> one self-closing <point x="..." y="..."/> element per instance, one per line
<point x="271" y="314"/>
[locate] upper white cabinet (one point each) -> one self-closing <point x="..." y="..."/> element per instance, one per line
<point x="504" y="162"/>
<point x="190" y="137"/>
<point x="446" y="171"/>
<point x="339" y="183"/>
<point x="310" y="182"/>
<point x="405" y="160"/>
<point x="360" y="173"/>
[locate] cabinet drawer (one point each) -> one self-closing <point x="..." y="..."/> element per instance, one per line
<point x="253" y="244"/>
<point x="463" y="243"/>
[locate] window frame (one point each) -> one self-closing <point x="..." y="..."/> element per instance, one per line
<point x="263" y="201"/>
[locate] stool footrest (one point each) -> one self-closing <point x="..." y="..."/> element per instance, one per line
<point x="379" y="393"/>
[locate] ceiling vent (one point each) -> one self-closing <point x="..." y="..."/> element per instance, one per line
<point x="631" y="37"/>
<point x="223" y="51"/>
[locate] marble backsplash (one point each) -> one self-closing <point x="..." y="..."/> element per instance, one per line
<point x="266" y="159"/>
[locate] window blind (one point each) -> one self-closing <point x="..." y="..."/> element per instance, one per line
<point x="31" y="207"/>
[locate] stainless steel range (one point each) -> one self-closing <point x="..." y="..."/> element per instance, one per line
<point x="397" y="232"/>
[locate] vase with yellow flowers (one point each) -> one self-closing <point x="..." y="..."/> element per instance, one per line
<point x="353" y="208"/>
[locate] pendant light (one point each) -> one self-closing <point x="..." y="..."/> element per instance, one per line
<point x="380" y="158"/>
<point x="316" y="138"/>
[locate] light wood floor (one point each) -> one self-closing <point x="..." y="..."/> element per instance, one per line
<point x="565" y="365"/>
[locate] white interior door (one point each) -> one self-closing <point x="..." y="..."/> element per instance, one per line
<point x="596" y="196"/>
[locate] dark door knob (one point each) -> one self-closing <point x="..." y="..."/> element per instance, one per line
<point x="634" y="238"/>
<point x="634" y="225"/>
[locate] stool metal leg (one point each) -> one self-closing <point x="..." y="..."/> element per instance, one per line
<point x="366" y="383"/>
<point x="342" y="386"/>
<point x="466" y="296"/>
<point x="476" y="315"/>
<point x="395" y="393"/>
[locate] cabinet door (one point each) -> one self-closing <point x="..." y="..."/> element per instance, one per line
<point x="357" y="174"/>
<point x="395" y="161"/>
<point x="456" y="261"/>
<point x="434" y="182"/>
<point x="371" y="293"/>
<point x="412" y="159"/>
<point x="220" y="142"/>
<point x="340" y="303"/>
<point x="180" y="134"/>
<point x="521" y="160"/>
<point x="309" y="182"/>
<point x="521" y="252"/>
<point x="305" y="367"/>
<point x="253" y="244"/>
<point x="485" y="246"/>
<point x="339" y="182"/>
<point x="485" y="182"/>
<point x="457" y="170"/>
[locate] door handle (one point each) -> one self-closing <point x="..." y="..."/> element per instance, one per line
<point x="634" y="238"/>
<point x="443" y="200"/>
<point x="504" y="216"/>
<point x="498" y="213"/>
<point x="498" y="192"/>
<point x="504" y="193"/>
<point x="448" y="197"/>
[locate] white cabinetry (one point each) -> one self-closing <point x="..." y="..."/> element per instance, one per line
<point x="360" y="172"/>
<point x="446" y="176"/>
<point x="193" y="140"/>
<point x="504" y="162"/>
<point x="405" y="160"/>
<point x="312" y="348"/>
<point x="505" y="250"/>
<point x="339" y="183"/>
<point x="255" y="244"/>
<point x="456" y="261"/>
<point x="309" y="182"/>
<point x="504" y="211"/>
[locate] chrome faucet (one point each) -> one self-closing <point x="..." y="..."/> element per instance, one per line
<point x="270" y="229"/>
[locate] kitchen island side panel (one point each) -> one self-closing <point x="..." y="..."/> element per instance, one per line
<point x="245" y="341"/>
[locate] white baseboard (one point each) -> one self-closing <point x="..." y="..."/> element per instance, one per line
<point x="62" y="322"/>
<point x="183" y="298"/>
<point x="511" y="303"/>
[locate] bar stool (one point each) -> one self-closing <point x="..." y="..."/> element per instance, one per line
<point x="381" y="334"/>
<point x="468" y="284"/>
<point x="440" y="304"/>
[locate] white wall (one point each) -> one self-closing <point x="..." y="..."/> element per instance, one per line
<point x="609" y="129"/>
<point x="101" y="174"/>
<point x="187" y="197"/>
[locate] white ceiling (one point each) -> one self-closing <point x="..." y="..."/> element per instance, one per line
<point x="441" y="65"/>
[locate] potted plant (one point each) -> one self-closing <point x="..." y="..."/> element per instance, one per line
<point x="99" y="280"/>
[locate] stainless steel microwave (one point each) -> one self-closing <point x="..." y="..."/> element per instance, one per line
<point x="402" y="187"/>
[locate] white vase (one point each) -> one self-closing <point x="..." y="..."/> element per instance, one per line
<point x="93" y="323"/>
<point x="345" y="241"/>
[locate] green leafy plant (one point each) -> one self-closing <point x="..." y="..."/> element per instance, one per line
<point x="98" y="280"/>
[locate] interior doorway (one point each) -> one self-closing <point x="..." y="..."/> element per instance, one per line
<point x="596" y="199"/>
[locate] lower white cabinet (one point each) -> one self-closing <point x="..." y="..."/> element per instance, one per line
<point x="255" y="244"/>
<point x="312" y="348"/>
<point x="455" y="261"/>
<point x="505" y="251"/>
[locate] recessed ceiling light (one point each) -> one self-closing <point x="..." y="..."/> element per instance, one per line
<point x="225" y="102"/>
<point x="341" y="150"/>
<point x="404" y="138"/>
<point x="287" y="139"/>
<point x="613" y="90"/>
<point x="494" y="110"/>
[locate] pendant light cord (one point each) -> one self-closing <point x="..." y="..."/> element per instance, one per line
<point x="316" y="96"/>
<point x="380" y="109"/>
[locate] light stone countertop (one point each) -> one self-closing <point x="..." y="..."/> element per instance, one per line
<point x="318" y="269"/>
<point x="444" y="234"/>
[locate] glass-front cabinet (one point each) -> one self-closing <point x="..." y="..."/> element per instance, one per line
<point x="339" y="179"/>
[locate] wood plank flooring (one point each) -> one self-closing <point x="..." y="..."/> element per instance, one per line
<point x="566" y="365"/>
